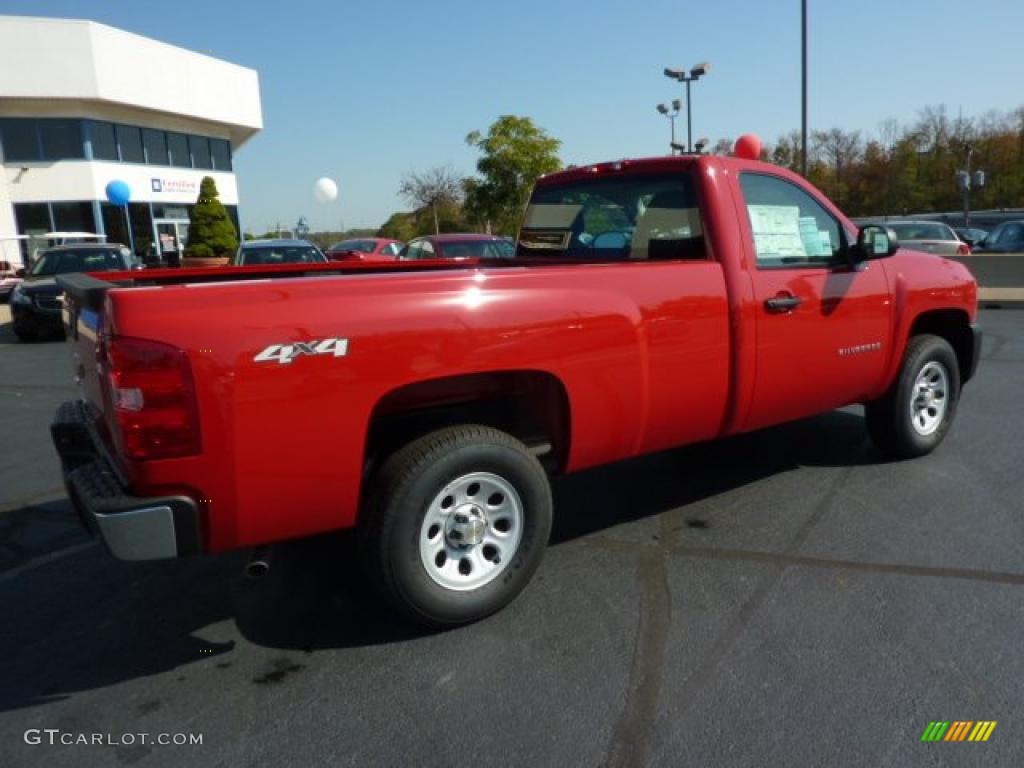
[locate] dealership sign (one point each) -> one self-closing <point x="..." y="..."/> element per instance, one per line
<point x="174" y="186"/>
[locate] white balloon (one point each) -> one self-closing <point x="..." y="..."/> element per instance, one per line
<point x="325" y="190"/>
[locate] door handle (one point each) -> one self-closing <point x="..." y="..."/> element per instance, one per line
<point x="781" y="304"/>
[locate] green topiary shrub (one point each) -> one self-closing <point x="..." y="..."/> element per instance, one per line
<point x="211" y="232"/>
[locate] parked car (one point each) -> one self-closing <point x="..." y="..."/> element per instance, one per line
<point x="930" y="236"/>
<point x="971" y="235"/>
<point x="11" y="276"/>
<point x="1008" y="237"/>
<point x="270" y="252"/>
<point x="649" y="304"/>
<point x="365" y="249"/>
<point x="36" y="302"/>
<point x="458" y="246"/>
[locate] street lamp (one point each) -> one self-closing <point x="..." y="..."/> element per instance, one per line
<point x="968" y="181"/>
<point x="301" y="228"/>
<point x="671" y="115"/>
<point x="695" y="73"/>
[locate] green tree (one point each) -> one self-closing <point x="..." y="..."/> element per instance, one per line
<point x="210" y="230"/>
<point x="514" y="152"/>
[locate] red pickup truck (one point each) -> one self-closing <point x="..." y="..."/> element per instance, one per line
<point x="650" y="303"/>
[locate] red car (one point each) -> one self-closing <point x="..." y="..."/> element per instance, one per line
<point x="458" y="246"/>
<point x="364" y="249"/>
<point x="649" y="304"/>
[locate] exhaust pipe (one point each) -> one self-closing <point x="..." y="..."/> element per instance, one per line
<point x="259" y="563"/>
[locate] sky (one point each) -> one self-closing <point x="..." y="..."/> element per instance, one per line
<point x="363" y="92"/>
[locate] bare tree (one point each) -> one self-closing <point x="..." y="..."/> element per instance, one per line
<point x="435" y="187"/>
<point x="839" y="149"/>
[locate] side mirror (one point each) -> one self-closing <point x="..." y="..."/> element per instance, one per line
<point x="874" y="241"/>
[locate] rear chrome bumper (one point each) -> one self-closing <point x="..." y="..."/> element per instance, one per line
<point x="132" y="527"/>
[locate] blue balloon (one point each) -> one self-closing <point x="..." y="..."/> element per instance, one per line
<point x="118" y="192"/>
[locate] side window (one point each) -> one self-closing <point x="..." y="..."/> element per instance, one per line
<point x="790" y="227"/>
<point x="391" y="249"/>
<point x="1014" y="233"/>
<point x="427" y="250"/>
<point x="411" y="251"/>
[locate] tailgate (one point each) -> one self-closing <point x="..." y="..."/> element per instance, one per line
<point x="83" y="319"/>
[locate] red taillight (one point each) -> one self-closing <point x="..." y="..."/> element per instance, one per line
<point x="963" y="250"/>
<point x="149" y="392"/>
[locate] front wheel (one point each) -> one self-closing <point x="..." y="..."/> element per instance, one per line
<point x="456" y="524"/>
<point x="916" y="413"/>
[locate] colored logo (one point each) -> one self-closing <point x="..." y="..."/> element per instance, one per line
<point x="958" y="730"/>
<point x="157" y="185"/>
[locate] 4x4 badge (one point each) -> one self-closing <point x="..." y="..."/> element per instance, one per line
<point x="285" y="353"/>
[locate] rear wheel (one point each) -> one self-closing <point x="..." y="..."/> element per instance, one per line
<point x="456" y="523"/>
<point x="915" y="415"/>
<point x="24" y="334"/>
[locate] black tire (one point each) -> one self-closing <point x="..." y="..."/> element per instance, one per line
<point x="25" y="334"/>
<point x="407" y="486"/>
<point x="890" y="420"/>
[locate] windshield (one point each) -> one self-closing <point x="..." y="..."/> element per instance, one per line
<point x="651" y="216"/>
<point x="363" y="246"/>
<point x="92" y="260"/>
<point x="280" y="254"/>
<point x="921" y="231"/>
<point x="477" y="249"/>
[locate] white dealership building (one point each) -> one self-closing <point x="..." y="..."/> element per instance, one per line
<point x="83" y="104"/>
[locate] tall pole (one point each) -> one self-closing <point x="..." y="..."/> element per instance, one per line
<point x="803" y="105"/>
<point x="131" y="237"/>
<point x="967" y="187"/>
<point x="689" y="119"/>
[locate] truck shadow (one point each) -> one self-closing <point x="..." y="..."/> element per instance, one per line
<point x="85" y="621"/>
<point x="315" y="596"/>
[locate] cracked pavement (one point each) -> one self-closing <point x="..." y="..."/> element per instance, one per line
<point x="780" y="598"/>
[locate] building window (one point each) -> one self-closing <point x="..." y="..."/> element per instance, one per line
<point x="62" y="139"/>
<point x="221" y="151"/>
<point x="129" y="139"/>
<point x="104" y="144"/>
<point x="73" y="217"/>
<point x="142" y="229"/>
<point x="156" y="147"/>
<point x="32" y="219"/>
<point x="178" y="144"/>
<point x="114" y="223"/>
<point x="200" y="146"/>
<point x="19" y="139"/>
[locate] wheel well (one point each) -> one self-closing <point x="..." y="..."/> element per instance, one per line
<point x="954" y="326"/>
<point x="530" y="405"/>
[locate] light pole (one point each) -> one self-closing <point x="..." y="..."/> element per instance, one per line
<point x="671" y="115"/>
<point x="683" y="76"/>
<point x="968" y="181"/>
<point x="803" y="88"/>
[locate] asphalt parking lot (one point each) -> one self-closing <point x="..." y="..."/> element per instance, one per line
<point x="781" y="598"/>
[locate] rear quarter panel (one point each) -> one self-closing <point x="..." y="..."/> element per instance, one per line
<point x="641" y="349"/>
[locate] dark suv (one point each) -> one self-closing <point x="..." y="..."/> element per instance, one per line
<point x="36" y="304"/>
<point x="1008" y="237"/>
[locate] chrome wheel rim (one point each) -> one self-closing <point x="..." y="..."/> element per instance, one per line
<point x="471" y="531"/>
<point x="929" y="398"/>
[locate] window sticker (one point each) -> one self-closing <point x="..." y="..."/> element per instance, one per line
<point x="777" y="231"/>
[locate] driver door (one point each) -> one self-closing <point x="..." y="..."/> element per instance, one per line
<point x="823" y="326"/>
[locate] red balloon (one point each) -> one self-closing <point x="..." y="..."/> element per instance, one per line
<point x="748" y="146"/>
